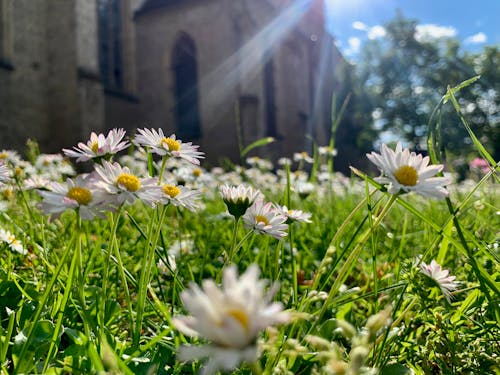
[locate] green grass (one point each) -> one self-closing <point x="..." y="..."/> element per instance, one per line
<point x="92" y="297"/>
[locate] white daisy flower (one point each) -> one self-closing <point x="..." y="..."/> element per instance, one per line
<point x="260" y="163"/>
<point x="295" y="215"/>
<point x="99" y="146"/>
<point x="54" y="166"/>
<point x="180" y="196"/>
<point x="162" y="145"/>
<point x="238" y="198"/>
<point x="78" y="194"/>
<point x="12" y="241"/>
<point x="303" y="188"/>
<point x="231" y="317"/>
<point x="303" y="157"/>
<point x="36" y="182"/>
<point x="284" y="161"/>
<point x="441" y="277"/>
<point x="10" y="156"/>
<point x="406" y="171"/>
<point x="265" y="219"/>
<point x="169" y="266"/>
<point x="327" y="151"/>
<point x="4" y="172"/>
<point x="125" y="186"/>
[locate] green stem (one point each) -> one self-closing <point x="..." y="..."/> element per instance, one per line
<point x="73" y="272"/>
<point x="373" y="247"/>
<point x="81" y="275"/>
<point x="42" y="305"/>
<point x="147" y="266"/>
<point x="233" y="240"/>
<point x="350" y="261"/>
<point x="162" y="169"/>
<point x="256" y="368"/>
<point x="475" y="267"/>
<point x="294" y="265"/>
<point x="114" y="219"/>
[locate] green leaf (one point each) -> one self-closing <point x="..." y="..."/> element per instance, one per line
<point x="465" y="305"/>
<point x="257" y="143"/>
<point x="395" y="369"/>
<point x="454" y="90"/>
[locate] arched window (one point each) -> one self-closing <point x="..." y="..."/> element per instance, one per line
<point x="184" y="66"/>
<point x="110" y="47"/>
<point x="269" y="96"/>
<point x="5" y="34"/>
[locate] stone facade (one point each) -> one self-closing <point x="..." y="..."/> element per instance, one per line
<point x="222" y="73"/>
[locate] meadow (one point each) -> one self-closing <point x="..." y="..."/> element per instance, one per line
<point x="152" y="264"/>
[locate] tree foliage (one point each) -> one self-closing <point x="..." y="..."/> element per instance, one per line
<point x="405" y="75"/>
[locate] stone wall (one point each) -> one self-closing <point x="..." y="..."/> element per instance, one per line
<point x="51" y="88"/>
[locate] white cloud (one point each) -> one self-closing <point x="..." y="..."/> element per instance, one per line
<point x="358" y="25"/>
<point x="476" y="38"/>
<point x="376" y="32"/>
<point x="429" y="32"/>
<point x="354" y="46"/>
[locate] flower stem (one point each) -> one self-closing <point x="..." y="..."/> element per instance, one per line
<point x="233" y="241"/>
<point x="350" y="261"/>
<point x="146" y="267"/>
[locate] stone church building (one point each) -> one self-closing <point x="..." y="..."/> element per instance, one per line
<point x="220" y="73"/>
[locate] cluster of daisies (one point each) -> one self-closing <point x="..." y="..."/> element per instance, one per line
<point x="111" y="184"/>
<point x="230" y="316"/>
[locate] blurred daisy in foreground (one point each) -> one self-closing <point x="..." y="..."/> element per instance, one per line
<point x="127" y="187"/>
<point x="231" y="317"/>
<point x="98" y="146"/>
<point x="12" y="241"/>
<point x="171" y="146"/>
<point x="74" y="194"/>
<point x="406" y="171"/>
<point x="440" y="277"/>
<point x="181" y="196"/>
<point x="264" y="218"/>
<point x="238" y="198"/>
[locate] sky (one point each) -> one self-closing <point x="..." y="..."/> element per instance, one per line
<point x="474" y="22"/>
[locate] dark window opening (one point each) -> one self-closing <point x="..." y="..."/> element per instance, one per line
<point x="249" y="112"/>
<point x="269" y="97"/>
<point x="184" y="66"/>
<point x="110" y="48"/>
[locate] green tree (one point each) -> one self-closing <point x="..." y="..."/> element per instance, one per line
<point x="406" y="74"/>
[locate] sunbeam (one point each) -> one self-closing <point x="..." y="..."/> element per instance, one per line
<point x="249" y="59"/>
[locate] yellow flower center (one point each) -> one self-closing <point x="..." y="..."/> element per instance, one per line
<point x="8" y="193"/>
<point x="171" y="190"/>
<point x="406" y="175"/>
<point x="79" y="194"/>
<point x="261" y="219"/>
<point x="94" y="147"/>
<point x="197" y="172"/>
<point x="241" y="316"/>
<point x="3" y="155"/>
<point x="129" y="182"/>
<point x="172" y="144"/>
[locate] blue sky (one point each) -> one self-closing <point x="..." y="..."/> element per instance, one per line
<point x="475" y="22"/>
